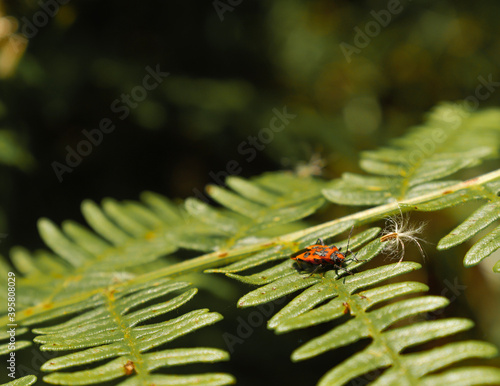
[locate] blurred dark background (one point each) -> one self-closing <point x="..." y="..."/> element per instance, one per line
<point x="229" y="67"/>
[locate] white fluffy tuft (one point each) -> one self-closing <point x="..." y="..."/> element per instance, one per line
<point x="398" y="230"/>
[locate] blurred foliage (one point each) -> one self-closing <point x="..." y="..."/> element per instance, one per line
<point x="12" y="152"/>
<point x="227" y="76"/>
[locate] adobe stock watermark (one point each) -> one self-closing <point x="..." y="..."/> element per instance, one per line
<point x="223" y="6"/>
<point x="38" y="358"/>
<point x="254" y="320"/>
<point x="250" y="147"/>
<point x="371" y="29"/>
<point x="11" y="325"/>
<point x="121" y="106"/>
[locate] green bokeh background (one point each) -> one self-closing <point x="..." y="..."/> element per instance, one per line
<point x="227" y="73"/>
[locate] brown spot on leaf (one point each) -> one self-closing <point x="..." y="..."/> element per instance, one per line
<point x="129" y="368"/>
<point x="223" y="254"/>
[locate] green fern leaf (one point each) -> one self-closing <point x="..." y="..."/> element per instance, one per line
<point x="89" y="264"/>
<point x="479" y="220"/>
<point x="294" y="315"/>
<point x="496" y="267"/>
<point x="111" y="330"/>
<point x="467" y="376"/>
<point x="109" y="280"/>
<point x="483" y="248"/>
<point x="409" y="173"/>
<point x="24" y="381"/>
<point x="385" y="351"/>
<point x="85" y="261"/>
<point x="421" y="364"/>
<point x="452" y="139"/>
<point x="264" y="208"/>
<point x="325" y="297"/>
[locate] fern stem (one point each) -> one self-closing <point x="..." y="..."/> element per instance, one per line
<point x="382" y="211"/>
<point x="225" y="257"/>
<point x="220" y="258"/>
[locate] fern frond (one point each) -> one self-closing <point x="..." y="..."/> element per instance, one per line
<point x="452" y="139"/>
<point x="92" y="271"/>
<point x="126" y="235"/>
<point x="111" y="330"/>
<point x="326" y="297"/>
<point x="258" y="205"/>
<point x="421" y="364"/>
<point x="483" y="217"/>
<point x="466" y="376"/>
<point x="85" y="261"/>
<point x="109" y="279"/>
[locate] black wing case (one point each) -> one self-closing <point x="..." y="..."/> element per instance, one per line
<point x="299" y="252"/>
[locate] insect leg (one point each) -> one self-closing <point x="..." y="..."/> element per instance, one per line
<point x="337" y="267"/>
<point x="314" y="271"/>
<point x="300" y="265"/>
<point x="346" y="270"/>
<point x="352" y="258"/>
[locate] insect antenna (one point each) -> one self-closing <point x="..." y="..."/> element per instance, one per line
<point x="349" y="239"/>
<point x="347" y="251"/>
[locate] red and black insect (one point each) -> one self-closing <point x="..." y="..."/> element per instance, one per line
<point x="324" y="256"/>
